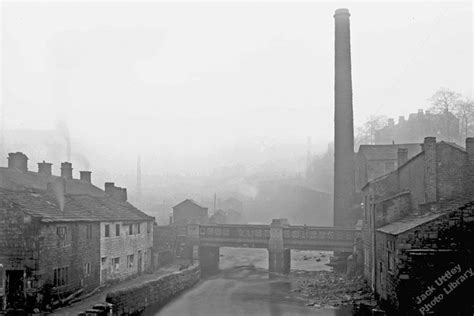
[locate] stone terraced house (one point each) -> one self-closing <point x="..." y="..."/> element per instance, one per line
<point x="406" y="210"/>
<point x="92" y="240"/>
<point x="65" y="234"/>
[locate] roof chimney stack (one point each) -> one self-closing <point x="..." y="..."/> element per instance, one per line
<point x="44" y="168"/>
<point x="85" y="176"/>
<point x="18" y="161"/>
<point x="66" y="170"/>
<point x="117" y="193"/>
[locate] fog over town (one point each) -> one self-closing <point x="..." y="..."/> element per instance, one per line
<point x="231" y="105"/>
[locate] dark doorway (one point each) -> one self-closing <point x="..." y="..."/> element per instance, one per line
<point x="14" y="289"/>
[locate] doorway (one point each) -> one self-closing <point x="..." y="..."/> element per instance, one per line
<point x="14" y="283"/>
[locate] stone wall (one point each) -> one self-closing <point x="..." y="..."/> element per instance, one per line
<point x="423" y="254"/>
<point x="155" y="292"/>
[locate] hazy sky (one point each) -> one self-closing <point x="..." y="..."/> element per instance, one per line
<point x="157" y="77"/>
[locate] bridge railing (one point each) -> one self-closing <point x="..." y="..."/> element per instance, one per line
<point x="258" y="232"/>
<point x="295" y="233"/>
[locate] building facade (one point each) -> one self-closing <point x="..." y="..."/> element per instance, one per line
<point x="445" y="126"/>
<point x="188" y="212"/>
<point x="373" y="161"/>
<point x="420" y="190"/>
<point x="46" y="254"/>
<point x="414" y="253"/>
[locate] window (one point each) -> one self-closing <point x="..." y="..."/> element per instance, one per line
<point x="107" y="230"/>
<point x="61" y="232"/>
<point x="391" y="262"/>
<point x="87" y="269"/>
<point x="138" y="228"/>
<point x="89" y="231"/>
<point x="117" y="229"/>
<point x="130" y="259"/>
<point x="130" y="229"/>
<point x="60" y="276"/>
<point x="103" y="261"/>
<point x="115" y="264"/>
<point x="148" y="227"/>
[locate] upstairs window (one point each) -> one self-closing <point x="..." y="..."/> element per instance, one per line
<point x="61" y="233"/>
<point x="130" y="229"/>
<point x="148" y="227"/>
<point x="117" y="229"/>
<point x="107" y="230"/>
<point x="138" y="228"/>
<point x="89" y="231"/>
<point x="87" y="269"/>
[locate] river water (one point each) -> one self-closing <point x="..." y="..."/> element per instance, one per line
<point x="242" y="287"/>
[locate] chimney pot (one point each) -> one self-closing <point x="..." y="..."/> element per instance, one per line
<point x="402" y="156"/>
<point x="18" y="161"/>
<point x="66" y="170"/>
<point x="44" y="168"/>
<point x="109" y="187"/>
<point x="85" y="176"/>
<point x="342" y="12"/>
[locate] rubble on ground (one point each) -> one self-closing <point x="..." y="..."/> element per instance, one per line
<point x="327" y="288"/>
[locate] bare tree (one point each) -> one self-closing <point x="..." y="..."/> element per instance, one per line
<point x="464" y="110"/>
<point x="443" y="102"/>
<point x="366" y="133"/>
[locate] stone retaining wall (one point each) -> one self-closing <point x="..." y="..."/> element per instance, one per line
<point x="155" y="292"/>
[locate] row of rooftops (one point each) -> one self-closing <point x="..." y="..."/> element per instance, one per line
<point x="469" y="150"/>
<point x="17" y="176"/>
<point x="63" y="198"/>
<point x="77" y="208"/>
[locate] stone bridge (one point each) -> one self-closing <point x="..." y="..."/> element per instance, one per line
<point x="203" y="241"/>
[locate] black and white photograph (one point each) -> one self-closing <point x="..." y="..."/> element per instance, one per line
<point x="236" y="158"/>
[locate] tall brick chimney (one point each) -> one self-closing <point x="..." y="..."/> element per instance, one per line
<point x="44" y="168"/>
<point x="66" y="170"/>
<point x="344" y="175"/>
<point x="429" y="149"/>
<point x="18" y="161"/>
<point x="402" y="156"/>
<point x="85" y="176"/>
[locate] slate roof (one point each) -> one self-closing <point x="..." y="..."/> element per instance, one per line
<point x="18" y="180"/>
<point x="191" y="201"/>
<point x="408" y="223"/>
<point x="76" y="207"/>
<point x="388" y="152"/>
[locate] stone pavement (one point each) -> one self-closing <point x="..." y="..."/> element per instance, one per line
<point x="100" y="296"/>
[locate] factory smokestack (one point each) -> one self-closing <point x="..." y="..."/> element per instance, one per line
<point x="139" y="180"/>
<point x="344" y="178"/>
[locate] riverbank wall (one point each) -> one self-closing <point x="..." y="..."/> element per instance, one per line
<point x="157" y="292"/>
